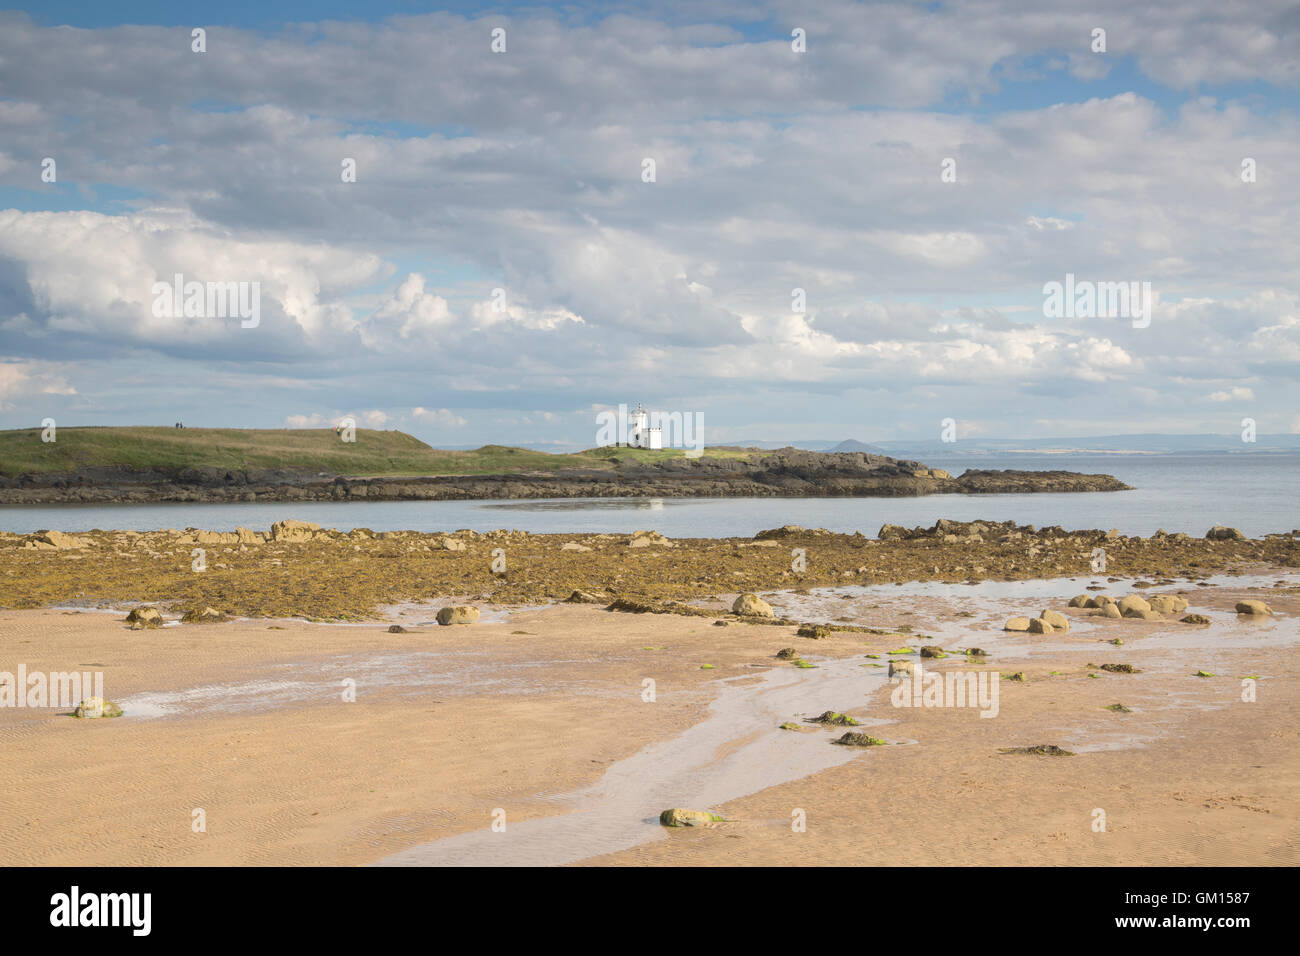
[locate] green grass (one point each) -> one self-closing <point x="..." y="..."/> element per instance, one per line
<point x="374" y="453"/>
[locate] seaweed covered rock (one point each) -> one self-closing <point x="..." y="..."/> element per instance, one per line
<point x="95" y="707"/>
<point x="851" y="739"/>
<point x="679" y="817"/>
<point x="207" y="615"/>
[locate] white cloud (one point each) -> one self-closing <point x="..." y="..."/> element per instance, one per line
<point x="438" y="416"/>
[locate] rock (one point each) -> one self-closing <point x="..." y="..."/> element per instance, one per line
<point x="142" y="617"/>
<point x="397" y="629"/>
<point x="1221" y="533"/>
<point x="1081" y="600"/>
<point x="573" y="546"/>
<point x="209" y="615"/>
<point x="246" y="536"/>
<point x="678" y="817"/>
<point x="891" y="532"/>
<point x="787" y="654"/>
<point x="858" y="740"/>
<point x="900" y="667"/>
<point x="1056" y="619"/>
<point x="1196" y="619"/>
<point x="292" y="530"/>
<point x="1130" y="606"/>
<point x="929" y="650"/>
<point x="1253" y="607"/>
<point x="752" y="605"/>
<point x="584" y="597"/>
<point x="54" y="541"/>
<point x="1141" y="615"/>
<point x="1039" y="626"/>
<point x="815" y="631"/>
<point x="834" y="719"/>
<point x="644" y="539"/>
<point x="453" y="544"/>
<point x="1163" y="603"/>
<point x="457" y="614"/>
<point x="1099" y="600"/>
<point x="1017" y="624"/>
<point x="1120" y="668"/>
<point x="95" y="707"/>
<point x="1108" y="610"/>
<point x="1040" y="750"/>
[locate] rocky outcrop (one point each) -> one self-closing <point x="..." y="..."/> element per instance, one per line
<point x="787" y="472"/>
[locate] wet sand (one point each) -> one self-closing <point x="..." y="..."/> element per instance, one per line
<point x="247" y="721"/>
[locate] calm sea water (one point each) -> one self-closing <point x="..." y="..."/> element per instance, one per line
<point x="1256" y="493"/>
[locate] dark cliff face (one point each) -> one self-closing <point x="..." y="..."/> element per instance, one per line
<point x="788" y="472"/>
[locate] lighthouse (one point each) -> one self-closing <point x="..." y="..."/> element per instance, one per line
<point x="640" y="434"/>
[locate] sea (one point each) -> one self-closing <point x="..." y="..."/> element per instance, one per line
<point x="1257" y="493"/>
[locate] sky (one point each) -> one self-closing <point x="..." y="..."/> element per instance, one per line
<point x="794" y="221"/>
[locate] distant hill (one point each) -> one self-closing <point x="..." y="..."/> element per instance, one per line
<point x="853" y="444"/>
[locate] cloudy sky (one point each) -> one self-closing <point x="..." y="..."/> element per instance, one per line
<point x="774" y="169"/>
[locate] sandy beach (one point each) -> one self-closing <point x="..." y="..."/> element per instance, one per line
<point x="541" y="719"/>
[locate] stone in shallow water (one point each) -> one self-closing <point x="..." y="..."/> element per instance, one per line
<point x="1253" y="607"/>
<point x="679" y="817"/>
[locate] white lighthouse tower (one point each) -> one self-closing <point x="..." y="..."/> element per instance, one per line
<point x="640" y="434"/>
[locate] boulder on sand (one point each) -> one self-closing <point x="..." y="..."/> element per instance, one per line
<point x="1039" y="626"/>
<point x="142" y="617"/>
<point x="1221" y="533"/>
<point x="1131" y="605"/>
<point x="1081" y="600"/>
<point x="1099" y="601"/>
<point x="1253" y="607"/>
<point x="1107" y="610"/>
<point x="457" y="614"/>
<point x="1167" y="603"/>
<point x="1017" y="624"/>
<point x="900" y="667"/>
<point x="1055" y="618"/>
<point x="752" y="605"/>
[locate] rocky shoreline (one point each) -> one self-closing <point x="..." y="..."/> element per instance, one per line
<point x="786" y="473"/>
<point x="298" y="569"/>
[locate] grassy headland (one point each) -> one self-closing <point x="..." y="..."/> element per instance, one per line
<point x="309" y="450"/>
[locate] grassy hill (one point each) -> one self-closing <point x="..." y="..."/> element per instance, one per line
<point x="374" y="453"/>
